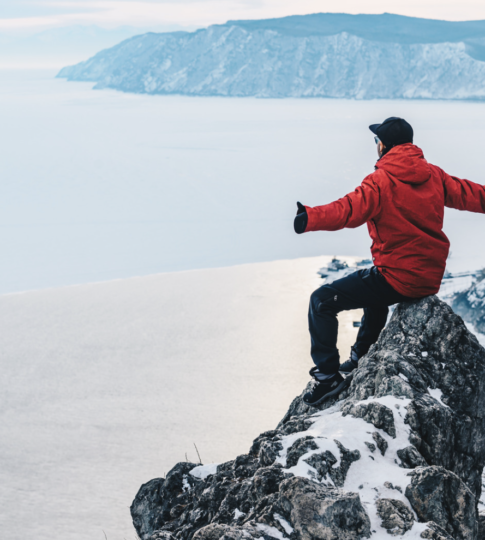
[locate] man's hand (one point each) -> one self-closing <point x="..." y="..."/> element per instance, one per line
<point x="301" y="219"/>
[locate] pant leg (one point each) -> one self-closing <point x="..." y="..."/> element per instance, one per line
<point x="362" y="289"/>
<point x="323" y="326"/>
<point x="373" y="321"/>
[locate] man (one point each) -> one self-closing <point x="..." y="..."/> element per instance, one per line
<point x="402" y="203"/>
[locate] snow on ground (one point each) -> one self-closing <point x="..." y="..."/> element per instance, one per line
<point x="373" y="476"/>
<point x="106" y="386"/>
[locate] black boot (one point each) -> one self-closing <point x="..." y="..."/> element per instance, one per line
<point x="351" y="364"/>
<point x="323" y="390"/>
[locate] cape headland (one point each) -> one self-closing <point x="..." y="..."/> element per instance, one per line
<point x="333" y="55"/>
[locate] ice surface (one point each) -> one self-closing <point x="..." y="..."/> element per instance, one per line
<point x="107" y="386"/>
<point x="104" y="185"/>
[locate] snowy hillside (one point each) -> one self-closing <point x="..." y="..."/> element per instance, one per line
<point x="343" y="56"/>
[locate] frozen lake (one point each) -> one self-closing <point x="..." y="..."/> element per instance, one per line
<point x="105" y="386"/>
<point x="99" y="185"/>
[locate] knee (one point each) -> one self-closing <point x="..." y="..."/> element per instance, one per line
<point x="322" y="300"/>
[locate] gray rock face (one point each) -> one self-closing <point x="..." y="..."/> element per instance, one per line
<point x="320" y="512"/>
<point x="408" y="435"/>
<point x="310" y="59"/>
<point x="470" y="304"/>
<point x="439" y="495"/>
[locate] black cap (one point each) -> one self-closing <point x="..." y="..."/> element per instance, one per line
<point x="393" y="131"/>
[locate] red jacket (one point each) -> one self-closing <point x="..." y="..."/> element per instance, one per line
<point x="403" y="204"/>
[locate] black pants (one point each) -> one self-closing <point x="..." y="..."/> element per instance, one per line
<point x="366" y="289"/>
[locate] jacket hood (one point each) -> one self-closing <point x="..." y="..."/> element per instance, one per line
<point x="406" y="163"/>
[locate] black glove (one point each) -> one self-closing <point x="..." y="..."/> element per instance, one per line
<point x="301" y="219"/>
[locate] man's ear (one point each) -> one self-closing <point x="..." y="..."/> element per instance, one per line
<point x="381" y="149"/>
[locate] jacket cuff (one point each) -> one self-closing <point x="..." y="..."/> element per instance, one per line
<point x="311" y="223"/>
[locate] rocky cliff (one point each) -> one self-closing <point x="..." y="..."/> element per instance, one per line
<point x="323" y="55"/>
<point x="401" y="453"/>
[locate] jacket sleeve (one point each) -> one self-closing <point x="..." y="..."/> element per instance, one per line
<point x="350" y="211"/>
<point x="463" y="194"/>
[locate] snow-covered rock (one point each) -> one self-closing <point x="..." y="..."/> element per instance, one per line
<point x="391" y="457"/>
<point x="470" y="303"/>
<point x="310" y="56"/>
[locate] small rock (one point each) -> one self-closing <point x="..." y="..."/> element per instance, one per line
<point x="375" y="413"/>
<point x="389" y="485"/>
<point x="411" y="458"/>
<point x="298" y="448"/>
<point x="381" y="442"/>
<point x="396" y="517"/>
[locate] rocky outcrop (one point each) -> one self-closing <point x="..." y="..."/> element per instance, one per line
<point x="470" y="304"/>
<point x="400" y="453"/>
<point x="307" y="56"/>
<point x="439" y="495"/>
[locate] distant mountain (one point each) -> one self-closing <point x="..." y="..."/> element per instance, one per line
<point x="321" y="55"/>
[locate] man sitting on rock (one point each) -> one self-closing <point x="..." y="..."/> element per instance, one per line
<point x="402" y="202"/>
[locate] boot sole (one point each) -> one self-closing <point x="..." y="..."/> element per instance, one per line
<point x="340" y="388"/>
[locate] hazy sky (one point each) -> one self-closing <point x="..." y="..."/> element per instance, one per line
<point x="29" y="15"/>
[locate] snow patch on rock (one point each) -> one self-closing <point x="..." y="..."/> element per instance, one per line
<point x="203" y="471"/>
<point x="437" y="394"/>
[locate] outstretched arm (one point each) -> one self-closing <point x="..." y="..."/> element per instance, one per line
<point x="350" y="211"/>
<point x="463" y="194"/>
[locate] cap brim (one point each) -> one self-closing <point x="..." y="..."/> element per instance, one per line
<point x="374" y="128"/>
